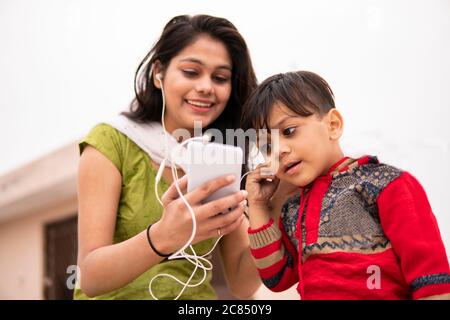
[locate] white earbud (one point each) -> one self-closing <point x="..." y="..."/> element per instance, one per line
<point x="158" y="76"/>
<point x="206" y="138"/>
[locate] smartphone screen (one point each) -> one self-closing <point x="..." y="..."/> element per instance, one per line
<point x="206" y="162"/>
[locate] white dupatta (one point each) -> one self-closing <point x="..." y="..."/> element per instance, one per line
<point x="150" y="138"/>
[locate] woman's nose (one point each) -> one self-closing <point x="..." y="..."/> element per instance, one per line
<point x="204" y="86"/>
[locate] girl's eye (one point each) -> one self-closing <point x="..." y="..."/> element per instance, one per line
<point x="190" y="73"/>
<point x="220" y="79"/>
<point x="288" y="131"/>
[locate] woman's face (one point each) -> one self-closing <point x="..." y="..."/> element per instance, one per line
<point x="197" y="84"/>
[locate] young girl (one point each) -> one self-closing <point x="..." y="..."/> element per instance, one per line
<point x="201" y="70"/>
<point x="353" y="228"/>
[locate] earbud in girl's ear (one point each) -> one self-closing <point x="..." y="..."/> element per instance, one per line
<point x="157" y="80"/>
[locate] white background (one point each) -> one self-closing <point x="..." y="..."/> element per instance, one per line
<point x="65" y="65"/>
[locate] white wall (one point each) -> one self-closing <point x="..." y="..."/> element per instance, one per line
<point x="64" y="65"/>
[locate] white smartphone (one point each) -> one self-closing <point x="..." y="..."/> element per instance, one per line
<point x="206" y="162"/>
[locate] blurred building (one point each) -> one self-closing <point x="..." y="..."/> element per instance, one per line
<point x="38" y="227"/>
<point x="38" y="231"/>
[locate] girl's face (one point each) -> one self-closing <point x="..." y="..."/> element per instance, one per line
<point x="197" y="84"/>
<point x="305" y="150"/>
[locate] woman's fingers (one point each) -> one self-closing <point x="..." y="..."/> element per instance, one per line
<point x="209" y="219"/>
<point x="222" y="205"/>
<point x="172" y="193"/>
<point x="226" y="222"/>
<point x="232" y="226"/>
<point x="208" y="188"/>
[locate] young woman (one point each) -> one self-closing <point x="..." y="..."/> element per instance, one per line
<point x="202" y="67"/>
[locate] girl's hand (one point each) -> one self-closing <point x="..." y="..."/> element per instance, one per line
<point x="175" y="226"/>
<point x="261" y="186"/>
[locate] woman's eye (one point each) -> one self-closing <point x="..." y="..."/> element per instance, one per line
<point x="190" y="73"/>
<point x="288" y="131"/>
<point x="220" y="79"/>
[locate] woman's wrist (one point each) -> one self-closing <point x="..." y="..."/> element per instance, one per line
<point x="161" y="239"/>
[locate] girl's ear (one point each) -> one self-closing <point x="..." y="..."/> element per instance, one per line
<point x="157" y="69"/>
<point x="335" y="124"/>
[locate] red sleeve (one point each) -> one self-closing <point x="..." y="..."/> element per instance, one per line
<point x="410" y="225"/>
<point x="275" y="259"/>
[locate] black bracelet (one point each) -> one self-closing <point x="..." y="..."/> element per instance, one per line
<point x="153" y="247"/>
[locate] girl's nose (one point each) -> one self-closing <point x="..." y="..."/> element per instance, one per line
<point x="204" y="86"/>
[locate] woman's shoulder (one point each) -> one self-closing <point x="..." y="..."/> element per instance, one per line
<point x="104" y="132"/>
<point x="110" y="142"/>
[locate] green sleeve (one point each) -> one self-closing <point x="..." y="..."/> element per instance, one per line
<point x="108" y="141"/>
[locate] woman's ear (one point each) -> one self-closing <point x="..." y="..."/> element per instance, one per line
<point x="335" y="124"/>
<point x="157" y="74"/>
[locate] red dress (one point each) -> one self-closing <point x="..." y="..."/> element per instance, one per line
<point x="364" y="231"/>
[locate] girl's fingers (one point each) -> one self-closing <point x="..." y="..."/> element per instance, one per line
<point x="221" y="205"/>
<point x="228" y="228"/>
<point x="172" y="193"/>
<point x="224" y="220"/>
<point x="208" y="188"/>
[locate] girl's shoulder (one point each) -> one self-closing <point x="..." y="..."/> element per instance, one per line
<point x="103" y="134"/>
<point x="113" y="144"/>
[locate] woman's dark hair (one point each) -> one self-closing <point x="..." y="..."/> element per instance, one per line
<point x="303" y="92"/>
<point x="178" y="33"/>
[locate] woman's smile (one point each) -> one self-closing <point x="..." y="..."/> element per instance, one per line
<point x="202" y="106"/>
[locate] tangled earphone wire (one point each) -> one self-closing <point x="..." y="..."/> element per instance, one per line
<point x="198" y="261"/>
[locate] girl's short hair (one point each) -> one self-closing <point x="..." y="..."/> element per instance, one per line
<point x="178" y="33"/>
<point x="303" y="92"/>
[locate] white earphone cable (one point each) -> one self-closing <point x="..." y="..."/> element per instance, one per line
<point x="181" y="253"/>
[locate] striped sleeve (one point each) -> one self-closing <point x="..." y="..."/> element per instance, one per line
<point x="277" y="266"/>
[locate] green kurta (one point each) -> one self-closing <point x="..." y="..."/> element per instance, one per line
<point x="138" y="207"/>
